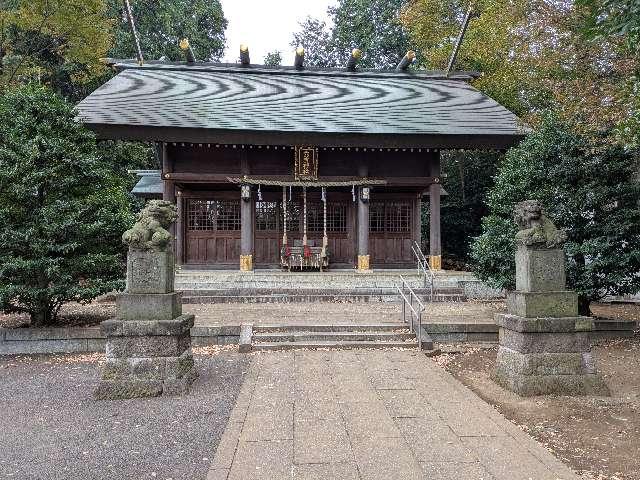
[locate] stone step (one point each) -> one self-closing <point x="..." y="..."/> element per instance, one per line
<point x="269" y="346"/>
<point x="338" y="337"/>
<point x="337" y="327"/>
<point x="232" y="290"/>
<point x="290" y="298"/>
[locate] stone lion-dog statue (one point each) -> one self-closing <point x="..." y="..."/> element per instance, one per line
<point x="151" y="231"/>
<point x="535" y="227"/>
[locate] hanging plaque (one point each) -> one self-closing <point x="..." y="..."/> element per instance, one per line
<point x="306" y="164"/>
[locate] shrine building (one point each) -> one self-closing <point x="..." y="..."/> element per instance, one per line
<point x="294" y="166"/>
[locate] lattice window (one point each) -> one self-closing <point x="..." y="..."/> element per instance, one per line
<point x="376" y="217"/>
<point x="390" y="217"/>
<point x="315" y="217"/>
<point x="294" y="213"/>
<point x="266" y="216"/>
<point x="336" y="217"/>
<point x="398" y="217"/>
<point x="213" y="215"/>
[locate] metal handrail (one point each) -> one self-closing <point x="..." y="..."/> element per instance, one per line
<point x="405" y="289"/>
<point x="424" y="269"/>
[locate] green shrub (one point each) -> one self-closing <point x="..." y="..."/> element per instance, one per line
<point x="589" y="188"/>
<point x="62" y="208"/>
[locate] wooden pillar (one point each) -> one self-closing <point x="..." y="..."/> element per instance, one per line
<point x="169" y="190"/>
<point x="363" y="224"/>
<point x="435" y="243"/>
<point x="179" y="236"/>
<point x="418" y="220"/>
<point x="246" y="230"/>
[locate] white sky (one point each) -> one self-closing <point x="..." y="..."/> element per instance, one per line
<point x="267" y="25"/>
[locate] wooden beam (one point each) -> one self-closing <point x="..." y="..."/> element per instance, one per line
<point x="222" y="178"/>
<point x="456" y="48"/>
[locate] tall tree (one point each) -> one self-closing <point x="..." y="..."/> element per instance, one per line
<point x="161" y="24"/>
<point x="63" y="210"/>
<point x="315" y="37"/>
<point x="468" y="176"/>
<point x="588" y="188"/>
<point x="273" y="59"/>
<point x="533" y="55"/>
<point x="55" y="42"/>
<point x="372" y="26"/>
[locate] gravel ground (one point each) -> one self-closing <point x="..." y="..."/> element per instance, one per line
<point x="51" y="428"/>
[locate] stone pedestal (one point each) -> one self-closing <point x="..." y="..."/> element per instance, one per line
<point x="148" y="350"/>
<point x="150" y="272"/>
<point x="544" y="343"/>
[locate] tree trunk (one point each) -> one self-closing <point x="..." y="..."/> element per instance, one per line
<point x="42" y="317"/>
<point x="583" y="306"/>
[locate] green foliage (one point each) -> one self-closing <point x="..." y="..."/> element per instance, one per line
<point x="589" y="189"/>
<point x="468" y="177"/>
<point x="615" y="17"/>
<point x="534" y="56"/>
<point x="55" y="42"/>
<point x="373" y="26"/>
<point x="161" y="24"/>
<point x="63" y="210"/>
<point x="315" y="37"/>
<point x="273" y="59"/>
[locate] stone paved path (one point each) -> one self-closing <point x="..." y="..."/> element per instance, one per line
<point x="321" y="313"/>
<point x="370" y="415"/>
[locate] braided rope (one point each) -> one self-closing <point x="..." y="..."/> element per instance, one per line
<point x="283" y="183"/>
<point x="284" y="210"/>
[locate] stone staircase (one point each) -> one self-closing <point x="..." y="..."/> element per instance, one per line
<point x="283" y="287"/>
<point x="289" y="337"/>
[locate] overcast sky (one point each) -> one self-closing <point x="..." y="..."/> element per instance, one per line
<point x="267" y="25"/>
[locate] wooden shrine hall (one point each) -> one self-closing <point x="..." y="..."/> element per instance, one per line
<point x="297" y="167"/>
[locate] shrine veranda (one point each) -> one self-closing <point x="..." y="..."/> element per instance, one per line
<point x="301" y="168"/>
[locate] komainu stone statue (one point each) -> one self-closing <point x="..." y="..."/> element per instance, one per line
<point x="544" y="344"/>
<point x="151" y="231"/>
<point x="535" y="227"/>
<point x="148" y="350"/>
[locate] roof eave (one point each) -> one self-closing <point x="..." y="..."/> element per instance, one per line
<point x="251" y="137"/>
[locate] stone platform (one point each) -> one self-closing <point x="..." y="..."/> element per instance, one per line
<point x="275" y="286"/>
<point x="146" y="358"/>
<point x="370" y="415"/>
<point x="540" y="356"/>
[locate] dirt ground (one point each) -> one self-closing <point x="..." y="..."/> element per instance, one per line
<point x="621" y="311"/>
<point x="597" y="436"/>
<point x="70" y="315"/>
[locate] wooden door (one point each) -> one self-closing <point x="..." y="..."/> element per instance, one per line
<point x="212" y="232"/>
<point x="269" y="226"/>
<point x="339" y="229"/>
<point x="391" y="232"/>
<point x="268" y="232"/>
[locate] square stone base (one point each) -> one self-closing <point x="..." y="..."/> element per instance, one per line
<point x="150" y="272"/>
<point x="540" y="269"/>
<point x="147" y="358"/>
<point x="545" y="356"/>
<point x="148" y="306"/>
<point x="543" y="304"/>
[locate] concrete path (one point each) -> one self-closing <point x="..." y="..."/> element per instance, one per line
<point x="388" y="414"/>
